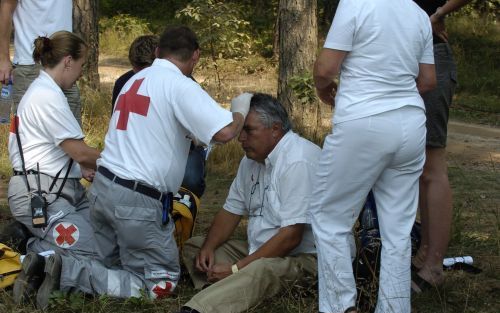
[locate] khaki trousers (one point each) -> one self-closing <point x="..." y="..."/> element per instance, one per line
<point x="260" y="279"/>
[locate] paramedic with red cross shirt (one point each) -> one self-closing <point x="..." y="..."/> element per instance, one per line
<point x="146" y="150"/>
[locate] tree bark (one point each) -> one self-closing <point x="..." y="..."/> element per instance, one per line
<point x="298" y="41"/>
<point x="85" y="24"/>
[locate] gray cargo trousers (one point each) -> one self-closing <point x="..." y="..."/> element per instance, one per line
<point x="132" y="240"/>
<point x="70" y="234"/>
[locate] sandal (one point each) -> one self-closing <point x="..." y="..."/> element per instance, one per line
<point x="414" y="269"/>
<point x="420" y="283"/>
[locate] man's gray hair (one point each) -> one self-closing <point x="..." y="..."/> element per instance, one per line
<point x="270" y="111"/>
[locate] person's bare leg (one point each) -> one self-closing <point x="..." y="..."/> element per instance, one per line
<point x="436" y="216"/>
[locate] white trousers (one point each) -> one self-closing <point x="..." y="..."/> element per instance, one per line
<point x="386" y="153"/>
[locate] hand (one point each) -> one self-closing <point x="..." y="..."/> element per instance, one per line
<point x="5" y="71"/>
<point x="87" y="173"/>
<point x="438" y="26"/>
<point x="204" y="260"/>
<point x="327" y="94"/>
<point x="218" y="272"/>
<point x="241" y="104"/>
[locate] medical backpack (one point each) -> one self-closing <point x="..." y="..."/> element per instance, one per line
<point x="184" y="211"/>
<point x="10" y="265"/>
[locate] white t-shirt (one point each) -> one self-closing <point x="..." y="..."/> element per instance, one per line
<point x="33" y="18"/>
<point x="386" y="40"/>
<point x="276" y="194"/>
<point x="152" y="145"/>
<point x="44" y="120"/>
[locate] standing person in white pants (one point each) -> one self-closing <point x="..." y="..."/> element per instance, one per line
<point x="383" y="51"/>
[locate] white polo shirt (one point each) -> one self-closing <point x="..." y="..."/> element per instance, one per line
<point x="276" y="194"/>
<point x="33" y="18"/>
<point x="148" y="137"/>
<point x="371" y="82"/>
<point x="44" y="120"/>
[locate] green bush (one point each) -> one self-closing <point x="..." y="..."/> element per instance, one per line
<point x="118" y="32"/>
<point x="158" y="13"/>
<point x="220" y="26"/>
<point x="476" y="45"/>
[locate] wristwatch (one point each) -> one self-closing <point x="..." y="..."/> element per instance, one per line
<point x="234" y="268"/>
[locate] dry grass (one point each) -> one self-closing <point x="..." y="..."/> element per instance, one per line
<point x="476" y="223"/>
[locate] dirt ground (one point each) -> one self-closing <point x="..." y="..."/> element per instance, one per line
<point x="473" y="145"/>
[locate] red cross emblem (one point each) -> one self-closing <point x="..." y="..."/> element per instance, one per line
<point x="13" y="121"/>
<point x="66" y="234"/>
<point x="160" y="291"/>
<point x="133" y="102"/>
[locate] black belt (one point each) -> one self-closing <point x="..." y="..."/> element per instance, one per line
<point x="28" y="172"/>
<point x="132" y="184"/>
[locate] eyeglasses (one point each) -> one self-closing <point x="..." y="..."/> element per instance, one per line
<point x="264" y="196"/>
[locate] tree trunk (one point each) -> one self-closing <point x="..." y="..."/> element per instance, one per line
<point x="85" y="24"/>
<point x="298" y="40"/>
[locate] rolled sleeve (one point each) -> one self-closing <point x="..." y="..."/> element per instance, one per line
<point x="199" y="113"/>
<point x="235" y="201"/>
<point x="295" y="191"/>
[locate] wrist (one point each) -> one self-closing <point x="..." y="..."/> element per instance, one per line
<point x="439" y="14"/>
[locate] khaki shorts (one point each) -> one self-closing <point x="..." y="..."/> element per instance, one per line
<point x="438" y="101"/>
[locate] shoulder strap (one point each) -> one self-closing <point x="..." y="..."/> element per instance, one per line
<point x="16" y="122"/>
<point x="20" y="148"/>
<point x="63" y="183"/>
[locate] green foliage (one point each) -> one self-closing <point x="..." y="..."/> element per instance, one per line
<point x="481" y="8"/>
<point x="220" y="26"/>
<point x="157" y="12"/>
<point x="476" y="46"/>
<point x="303" y="87"/>
<point x="118" y="32"/>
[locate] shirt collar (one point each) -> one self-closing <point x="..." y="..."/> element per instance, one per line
<point x="166" y="63"/>
<point x="46" y="77"/>
<point x="273" y="156"/>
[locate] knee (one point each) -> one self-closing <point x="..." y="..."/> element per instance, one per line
<point x="263" y="267"/>
<point x="192" y="246"/>
<point x="433" y="175"/>
<point x="196" y="241"/>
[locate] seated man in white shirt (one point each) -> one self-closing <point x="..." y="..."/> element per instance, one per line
<point x="273" y="188"/>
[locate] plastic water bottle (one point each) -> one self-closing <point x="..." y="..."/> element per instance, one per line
<point x="6" y="102"/>
<point x="186" y="200"/>
<point x="448" y="262"/>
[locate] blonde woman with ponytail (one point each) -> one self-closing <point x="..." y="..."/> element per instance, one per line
<point x="49" y="157"/>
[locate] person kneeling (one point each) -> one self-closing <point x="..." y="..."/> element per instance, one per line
<point x="272" y="187"/>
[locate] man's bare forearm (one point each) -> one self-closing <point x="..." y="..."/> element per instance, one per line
<point x="280" y="245"/>
<point x="7" y="8"/>
<point x="221" y="229"/>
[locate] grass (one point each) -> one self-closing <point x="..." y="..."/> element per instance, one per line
<point x="476" y="47"/>
<point x="476" y="221"/>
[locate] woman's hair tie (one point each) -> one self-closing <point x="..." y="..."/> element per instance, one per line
<point x="47" y="44"/>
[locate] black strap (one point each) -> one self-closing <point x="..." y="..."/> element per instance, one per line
<point x="19" y="146"/>
<point x="463" y="267"/>
<point x="3" y="275"/>
<point x="63" y="183"/>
